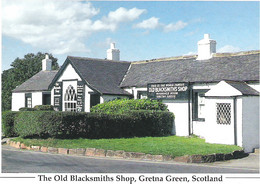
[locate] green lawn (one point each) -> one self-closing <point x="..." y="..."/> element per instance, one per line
<point x="171" y="145"/>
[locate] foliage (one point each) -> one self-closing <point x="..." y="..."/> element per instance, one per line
<point x="8" y="118"/>
<point x="93" y="125"/>
<point x="20" y="71"/>
<point x="44" y="108"/>
<point x="26" y="109"/>
<point x="170" y="145"/>
<point x="124" y="105"/>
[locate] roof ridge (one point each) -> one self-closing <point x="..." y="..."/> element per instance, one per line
<point x="184" y="57"/>
<point x="240" y="53"/>
<point x="98" y="59"/>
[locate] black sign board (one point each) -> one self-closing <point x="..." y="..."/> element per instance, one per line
<point x="178" y="91"/>
<point x="80" y="96"/>
<point x="58" y="96"/>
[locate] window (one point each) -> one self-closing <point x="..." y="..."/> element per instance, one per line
<point x="46" y="99"/>
<point x="142" y="94"/>
<point x="94" y="99"/>
<point x="28" y="100"/>
<point x="223" y="113"/>
<point x="70" y="99"/>
<point x="198" y="105"/>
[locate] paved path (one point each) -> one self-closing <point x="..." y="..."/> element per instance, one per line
<point x="24" y="161"/>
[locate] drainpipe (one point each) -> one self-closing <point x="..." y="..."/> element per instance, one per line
<point x="235" y="120"/>
<point x="189" y="121"/>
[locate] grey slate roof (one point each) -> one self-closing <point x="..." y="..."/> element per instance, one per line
<point x="241" y="67"/>
<point x="103" y="75"/>
<point x="243" y="88"/>
<point x="38" y="82"/>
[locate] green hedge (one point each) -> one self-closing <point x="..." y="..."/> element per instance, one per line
<point x="26" y="109"/>
<point x="44" y="108"/>
<point x="8" y="118"/>
<point x="93" y="125"/>
<point x="124" y="105"/>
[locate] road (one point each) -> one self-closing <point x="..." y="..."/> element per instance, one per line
<point x="24" y="161"/>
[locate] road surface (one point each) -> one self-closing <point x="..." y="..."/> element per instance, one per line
<point x="24" y="161"/>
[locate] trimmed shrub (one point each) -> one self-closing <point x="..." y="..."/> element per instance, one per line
<point x="8" y="119"/>
<point x="44" y="108"/>
<point x="93" y="125"/>
<point x="124" y="105"/>
<point x="37" y="123"/>
<point x="26" y="109"/>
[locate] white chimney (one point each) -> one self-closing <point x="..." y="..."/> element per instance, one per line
<point x="113" y="53"/>
<point x="206" y="48"/>
<point x="46" y="63"/>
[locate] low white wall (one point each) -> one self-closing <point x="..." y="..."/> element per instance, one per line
<point x="181" y="113"/>
<point x="218" y="133"/>
<point x="250" y="117"/>
<point x="199" y="128"/>
<point x="18" y="101"/>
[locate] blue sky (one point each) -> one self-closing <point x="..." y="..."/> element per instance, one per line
<point x="141" y="30"/>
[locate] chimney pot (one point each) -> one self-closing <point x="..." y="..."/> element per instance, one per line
<point x="112" y="46"/>
<point x="206" y="48"/>
<point x="206" y="36"/>
<point x="46" y="63"/>
<point x="113" y="53"/>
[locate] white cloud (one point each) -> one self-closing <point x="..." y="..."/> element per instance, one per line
<point x="114" y="18"/>
<point x="153" y="23"/>
<point x="228" y="48"/>
<point x="175" y="27"/>
<point x="59" y="26"/>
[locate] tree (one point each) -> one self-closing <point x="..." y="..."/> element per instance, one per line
<point x="22" y="69"/>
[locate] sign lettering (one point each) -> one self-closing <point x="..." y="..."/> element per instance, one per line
<point x="176" y="91"/>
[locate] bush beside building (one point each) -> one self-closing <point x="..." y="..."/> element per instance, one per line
<point x="54" y="124"/>
<point x="125" y="105"/>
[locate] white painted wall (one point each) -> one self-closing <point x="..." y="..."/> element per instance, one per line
<point x="181" y="113"/>
<point x="218" y="133"/>
<point x="199" y="128"/>
<point x="203" y="85"/>
<point x="250" y="116"/>
<point x="87" y="98"/>
<point x="18" y="101"/>
<point x="255" y="86"/>
<point x="223" y="89"/>
<point x="69" y="74"/>
<point x="239" y="121"/>
<point x="52" y="96"/>
<point x="36" y="98"/>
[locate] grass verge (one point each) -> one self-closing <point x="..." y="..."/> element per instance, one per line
<point x="171" y="145"/>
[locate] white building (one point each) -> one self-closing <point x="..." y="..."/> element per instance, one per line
<point x="203" y="90"/>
